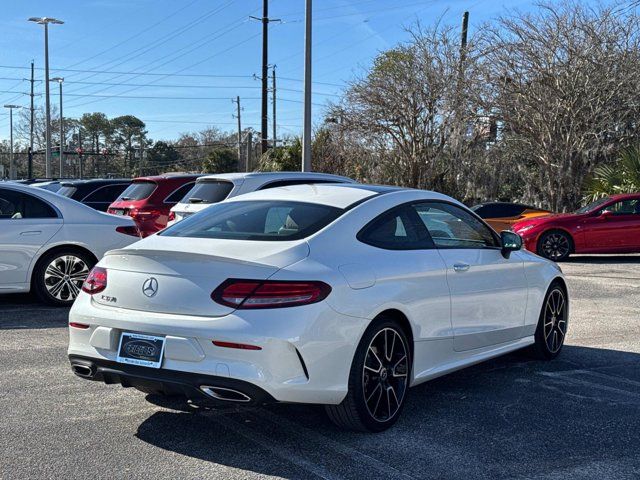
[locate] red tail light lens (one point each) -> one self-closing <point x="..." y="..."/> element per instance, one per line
<point x="96" y="281"/>
<point x="129" y="230"/>
<point x="254" y="294"/>
<point x="172" y="216"/>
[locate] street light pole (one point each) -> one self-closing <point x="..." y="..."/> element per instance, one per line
<point x="46" y="21"/>
<point x="306" y="132"/>
<point x="12" y="163"/>
<point x="60" y="80"/>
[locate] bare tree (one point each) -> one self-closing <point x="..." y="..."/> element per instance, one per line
<point x="565" y="88"/>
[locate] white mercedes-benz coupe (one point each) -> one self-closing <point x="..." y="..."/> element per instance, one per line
<point x="340" y="295"/>
<point x="48" y="243"/>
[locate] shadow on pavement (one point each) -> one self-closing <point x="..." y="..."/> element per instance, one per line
<point x="575" y="417"/>
<point x="25" y="311"/>
<point x="603" y="259"/>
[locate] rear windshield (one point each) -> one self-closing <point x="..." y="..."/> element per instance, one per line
<point x="208" y="192"/>
<point x="67" y="191"/>
<point x="138" y="191"/>
<point x="256" y="220"/>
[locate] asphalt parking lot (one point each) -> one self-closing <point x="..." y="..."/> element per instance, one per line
<point x="576" y="417"/>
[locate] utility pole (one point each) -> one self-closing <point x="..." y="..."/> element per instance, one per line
<point x="46" y="21"/>
<point x="80" y="151"/>
<point x="247" y="165"/>
<point x="265" y="74"/>
<point x="61" y="170"/>
<point x="459" y="107"/>
<point x="12" y="163"/>
<point x="30" y="157"/>
<point x="237" y="102"/>
<point x="306" y="132"/>
<point x="274" y="126"/>
<point x="141" y="155"/>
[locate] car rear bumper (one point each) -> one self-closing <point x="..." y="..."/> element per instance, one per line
<point x="195" y="387"/>
<point x="305" y="352"/>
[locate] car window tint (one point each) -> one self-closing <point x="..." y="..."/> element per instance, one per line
<point x="138" y="191"/>
<point x="67" y="191"/>
<point x="18" y="205"/>
<point x="499" y="210"/>
<point x="179" y="193"/>
<point x="397" y="229"/>
<point x="256" y="220"/>
<point x="298" y="181"/>
<point x="452" y="227"/>
<point x="207" y="192"/>
<point x="107" y="193"/>
<point x="625" y="207"/>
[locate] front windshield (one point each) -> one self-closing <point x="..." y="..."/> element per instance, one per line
<point x="593" y="205"/>
<point x="256" y="220"/>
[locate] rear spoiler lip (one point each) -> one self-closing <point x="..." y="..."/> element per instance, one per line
<point x="205" y="257"/>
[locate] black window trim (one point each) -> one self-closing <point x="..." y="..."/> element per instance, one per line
<point x="47" y="202"/>
<point x="305" y="181"/>
<point x="193" y="183"/>
<point x="84" y="199"/>
<point x="493" y="233"/>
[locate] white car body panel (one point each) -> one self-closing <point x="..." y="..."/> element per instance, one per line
<point x="24" y="241"/>
<point x="249" y="182"/>
<point x="494" y="306"/>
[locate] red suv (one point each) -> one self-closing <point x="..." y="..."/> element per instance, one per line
<point x="148" y="200"/>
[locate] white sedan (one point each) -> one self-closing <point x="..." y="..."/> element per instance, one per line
<point x="48" y="243"/>
<point x="341" y="295"/>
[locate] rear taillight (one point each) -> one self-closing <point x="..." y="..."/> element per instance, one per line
<point x="129" y="230"/>
<point x="172" y="216"/>
<point x="251" y="294"/>
<point x="96" y="281"/>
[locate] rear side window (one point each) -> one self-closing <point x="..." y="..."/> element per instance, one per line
<point x="207" y="192"/>
<point x="177" y="195"/>
<point x="397" y="229"/>
<point x="107" y="193"/>
<point x="67" y="191"/>
<point x="256" y="220"/>
<point x="138" y="191"/>
<point x="18" y="205"/>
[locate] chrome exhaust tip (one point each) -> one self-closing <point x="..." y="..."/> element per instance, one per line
<point x="225" y="394"/>
<point x="82" y="370"/>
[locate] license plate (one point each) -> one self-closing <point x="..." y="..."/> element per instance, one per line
<point x="139" y="349"/>
<point x="118" y="211"/>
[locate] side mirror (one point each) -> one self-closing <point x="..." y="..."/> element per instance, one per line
<point x="606" y="214"/>
<point x="511" y="242"/>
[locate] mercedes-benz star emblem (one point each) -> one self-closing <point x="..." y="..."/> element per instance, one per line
<point x="150" y="287"/>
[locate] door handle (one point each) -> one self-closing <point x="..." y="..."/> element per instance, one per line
<point x="460" y="267"/>
<point x="31" y="232"/>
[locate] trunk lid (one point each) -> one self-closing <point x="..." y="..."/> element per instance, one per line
<point x="177" y="275"/>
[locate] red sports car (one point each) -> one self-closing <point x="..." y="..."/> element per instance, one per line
<point x="608" y="225"/>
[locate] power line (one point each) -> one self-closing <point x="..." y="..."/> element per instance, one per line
<point x="141" y="32"/>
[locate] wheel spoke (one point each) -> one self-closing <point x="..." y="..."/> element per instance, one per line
<point x="375" y="355"/>
<point x="54" y="271"/>
<point x="373" y="391"/>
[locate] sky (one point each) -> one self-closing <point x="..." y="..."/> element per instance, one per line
<point x="178" y="64"/>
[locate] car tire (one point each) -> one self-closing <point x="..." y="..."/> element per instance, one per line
<point x="58" y="276"/>
<point x="555" y="245"/>
<point x="377" y="387"/>
<point x="552" y="325"/>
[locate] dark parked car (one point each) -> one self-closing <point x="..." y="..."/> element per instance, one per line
<point x="96" y="193"/>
